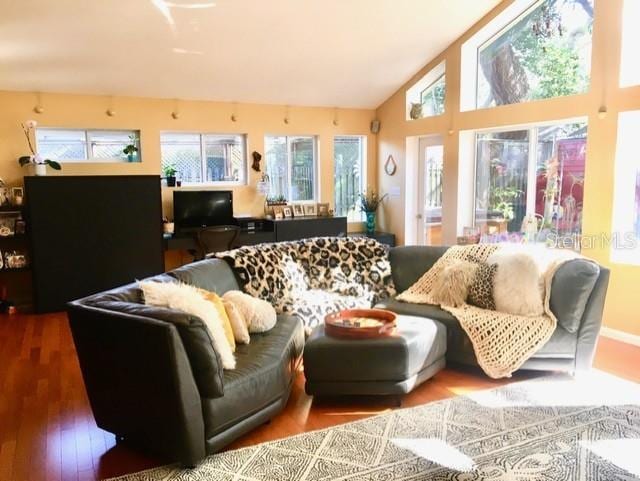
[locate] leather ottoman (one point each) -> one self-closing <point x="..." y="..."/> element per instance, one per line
<point x="384" y="366"/>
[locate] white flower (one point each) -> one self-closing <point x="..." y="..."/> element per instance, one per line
<point x="31" y="124"/>
<point x="37" y="159"/>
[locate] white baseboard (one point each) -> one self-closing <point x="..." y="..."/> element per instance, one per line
<point x="620" y="336"/>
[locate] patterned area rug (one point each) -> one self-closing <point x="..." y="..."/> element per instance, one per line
<point x="546" y="429"/>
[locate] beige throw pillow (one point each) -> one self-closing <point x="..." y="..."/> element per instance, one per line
<point x="259" y="314"/>
<point x="517" y="284"/>
<point x="238" y="323"/>
<point x="188" y="299"/>
<point x="452" y="286"/>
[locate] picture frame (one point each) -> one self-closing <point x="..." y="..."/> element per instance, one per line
<point x="5" y="197"/>
<point x="323" y="209"/>
<point x="17" y="196"/>
<point x="287" y="212"/>
<point x="278" y="212"/>
<point x="310" y="210"/>
<point x="298" y="210"/>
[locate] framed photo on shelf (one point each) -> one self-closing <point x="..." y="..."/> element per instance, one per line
<point x="310" y="210"/>
<point x="298" y="210"/>
<point x="5" y="198"/>
<point x="17" y="196"/>
<point x="323" y="210"/>
<point x="287" y="212"/>
<point x="278" y="212"/>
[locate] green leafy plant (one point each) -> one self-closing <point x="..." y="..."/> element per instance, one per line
<point x="169" y="170"/>
<point x="276" y="200"/>
<point x="29" y="127"/>
<point x="131" y="148"/>
<point x="370" y="200"/>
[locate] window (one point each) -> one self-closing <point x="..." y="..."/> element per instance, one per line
<point x="76" y="145"/>
<point x="626" y="207"/>
<point x="350" y="160"/>
<point x="432" y="98"/>
<point x="426" y="97"/>
<point x="291" y="167"/>
<point x="544" y="53"/>
<point x="205" y="158"/>
<point x="629" y="62"/>
<point x="531" y="172"/>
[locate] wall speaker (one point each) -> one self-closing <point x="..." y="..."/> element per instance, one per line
<point x="375" y="126"/>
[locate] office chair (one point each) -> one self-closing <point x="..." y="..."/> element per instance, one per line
<point x="216" y="239"/>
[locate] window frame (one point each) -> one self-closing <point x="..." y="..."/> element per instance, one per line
<point x="432" y="86"/>
<point x="363" y="169"/>
<point x="87" y="136"/>
<point x="316" y="167"/>
<point x="203" y="150"/>
<point x="531" y="158"/>
<point x="469" y="54"/>
<point x="414" y="93"/>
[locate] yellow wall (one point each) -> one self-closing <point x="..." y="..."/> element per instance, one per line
<point x="152" y="116"/>
<point x="623" y="303"/>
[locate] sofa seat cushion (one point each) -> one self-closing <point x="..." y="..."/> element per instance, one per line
<point x="313" y="305"/>
<point x="562" y="343"/>
<point x="418" y="343"/>
<point x="264" y="371"/>
<point x="423" y="310"/>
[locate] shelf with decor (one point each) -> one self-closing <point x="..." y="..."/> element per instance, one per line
<point x="15" y="270"/>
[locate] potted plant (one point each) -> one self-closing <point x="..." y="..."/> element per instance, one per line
<point x="131" y="150"/>
<point x="369" y="203"/>
<point x="35" y="159"/>
<point x="170" y="175"/>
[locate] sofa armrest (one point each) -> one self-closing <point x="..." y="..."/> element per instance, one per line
<point x="204" y="360"/>
<point x="139" y="381"/>
<point x="591" y="322"/>
<point x="409" y="263"/>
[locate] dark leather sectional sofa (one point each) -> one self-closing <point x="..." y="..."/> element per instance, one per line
<point x="154" y="379"/>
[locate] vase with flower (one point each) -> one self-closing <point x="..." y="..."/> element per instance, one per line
<point x="369" y="203"/>
<point x="40" y="164"/>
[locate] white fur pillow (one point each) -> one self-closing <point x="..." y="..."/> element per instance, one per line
<point x="517" y="287"/>
<point x="452" y="286"/>
<point x="238" y="323"/>
<point x="259" y="314"/>
<point x="188" y="299"/>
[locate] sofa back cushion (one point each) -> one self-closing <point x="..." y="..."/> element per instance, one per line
<point x="571" y="287"/>
<point x="409" y="263"/>
<point x="211" y="275"/>
<point x="282" y="272"/>
<point x="352" y="266"/>
<point x="273" y="272"/>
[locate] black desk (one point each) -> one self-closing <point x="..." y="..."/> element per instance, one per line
<point x="272" y="231"/>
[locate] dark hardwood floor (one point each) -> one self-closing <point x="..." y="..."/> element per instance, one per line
<point x="47" y="431"/>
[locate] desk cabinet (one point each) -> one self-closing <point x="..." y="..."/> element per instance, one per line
<point x="304" y="227"/>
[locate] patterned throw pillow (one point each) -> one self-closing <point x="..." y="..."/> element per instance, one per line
<point x="481" y="288"/>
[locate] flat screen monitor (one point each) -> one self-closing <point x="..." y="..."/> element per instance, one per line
<point x="195" y="209"/>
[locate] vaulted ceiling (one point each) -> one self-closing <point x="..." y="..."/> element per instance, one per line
<point x="346" y="53"/>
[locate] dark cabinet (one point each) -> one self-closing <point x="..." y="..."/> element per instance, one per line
<point x="91" y="233"/>
<point x="304" y="227"/>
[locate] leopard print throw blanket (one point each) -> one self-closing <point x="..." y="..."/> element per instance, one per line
<point x="314" y="277"/>
<point x="502" y="342"/>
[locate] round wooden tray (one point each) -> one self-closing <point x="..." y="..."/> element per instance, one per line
<point x="338" y="325"/>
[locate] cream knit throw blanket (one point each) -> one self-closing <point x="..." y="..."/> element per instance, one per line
<point x="502" y="342"/>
